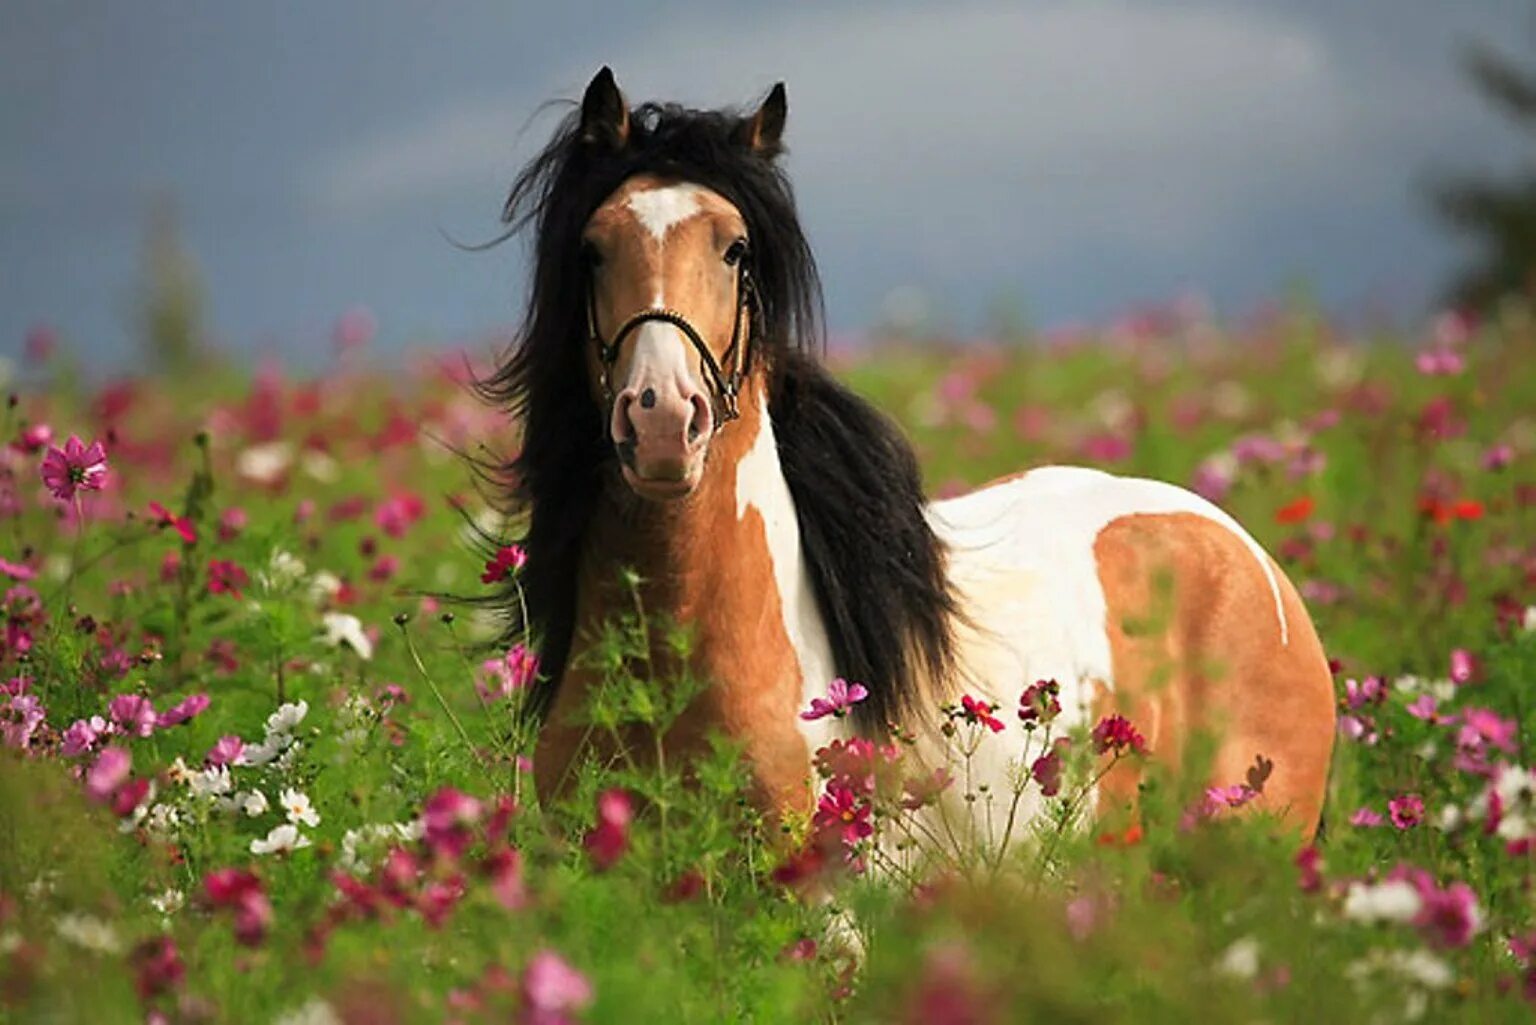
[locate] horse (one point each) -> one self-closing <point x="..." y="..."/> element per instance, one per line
<point x="677" y="420"/>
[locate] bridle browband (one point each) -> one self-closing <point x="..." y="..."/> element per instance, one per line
<point x="725" y="387"/>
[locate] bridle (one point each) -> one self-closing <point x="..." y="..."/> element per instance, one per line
<point x="724" y="386"/>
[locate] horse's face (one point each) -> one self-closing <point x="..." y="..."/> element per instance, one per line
<point x="659" y="245"/>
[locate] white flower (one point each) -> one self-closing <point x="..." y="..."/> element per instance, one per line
<point x="1528" y="621"/>
<point x="1449" y="819"/>
<point x="280" y="840"/>
<point x="324" y="586"/>
<point x="265" y="463"/>
<point x="284" y="570"/>
<point x="211" y="782"/>
<point x="286" y="718"/>
<point x="298" y="809"/>
<point x="169" y="902"/>
<point x="285" y="761"/>
<point x="341" y="628"/>
<point x="319" y="466"/>
<point x="1241" y="959"/>
<point x="89" y="932"/>
<point x="163" y="819"/>
<point x="257" y="755"/>
<point x="253" y="803"/>
<point x="179" y="772"/>
<point x="1417" y="965"/>
<point x="1393" y="901"/>
<point x="1516" y="788"/>
<point x="316" y="1012"/>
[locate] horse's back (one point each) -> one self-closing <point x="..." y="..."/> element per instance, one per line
<point x="1140" y="597"/>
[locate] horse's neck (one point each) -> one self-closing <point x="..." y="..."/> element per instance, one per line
<point x="726" y="564"/>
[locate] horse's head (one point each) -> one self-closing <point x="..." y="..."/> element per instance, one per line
<point x="672" y="302"/>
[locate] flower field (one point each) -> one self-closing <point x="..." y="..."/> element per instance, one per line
<point x="262" y="761"/>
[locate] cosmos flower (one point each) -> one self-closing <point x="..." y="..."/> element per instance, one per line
<point x="281" y="839"/>
<point x="840" y="699"/>
<point x="1115" y="734"/>
<point x="76" y="467"/>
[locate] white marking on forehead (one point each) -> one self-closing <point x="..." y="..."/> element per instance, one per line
<point x="660" y="208"/>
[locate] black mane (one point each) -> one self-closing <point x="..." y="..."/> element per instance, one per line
<point x="877" y="567"/>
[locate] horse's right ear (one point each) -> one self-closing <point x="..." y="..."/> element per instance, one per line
<point x="604" y="114"/>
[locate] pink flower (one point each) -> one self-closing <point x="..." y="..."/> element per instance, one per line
<point x="1498" y="457"/>
<point x="1115" y="734"/>
<point x="1366" y="818"/>
<point x="226" y="751"/>
<point x="1463" y="666"/>
<point x="1490" y="727"/>
<point x="189" y="707"/>
<point x="1038" y="703"/>
<point x="34" y="438"/>
<point x="447" y="818"/>
<point x="1406" y="810"/>
<point x="1369" y="692"/>
<point x="21" y="717"/>
<point x="17" y="570"/>
<point x="505" y="869"/>
<point x="1309" y="862"/>
<point x="552" y="990"/>
<point x="133" y="714"/>
<point x="1424" y="707"/>
<point x="231" y="522"/>
<point x="109" y="772"/>
<point x="509" y="559"/>
<point x="83" y="734"/>
<point x="1440" y="363"/>
<point x="158" y="967"/>
<point x="840" y="699"/>
<point x="75" y="467"/>
<point x="396" y="514"/>
<point x="609" y="838"/>
<point x="842" y="810"/>
<point x="976" y="711"/>
<point x="508" y="674"/>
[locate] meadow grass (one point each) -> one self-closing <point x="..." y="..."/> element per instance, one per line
<point x="346" y="831"/>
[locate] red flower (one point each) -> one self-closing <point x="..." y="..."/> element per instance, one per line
<point x="974" y="711"/>
<point x="1114" y="734"/>
<point x="75" y="467"/>
<point x="609" y="839"/>
<point x="1298" y="511"/>
<point x="1308" y="863"/>
<point x="509" y="559"/>
<point x="1039" y="704"/>
<point x="1046" y="770"/>
<point x="163" y="517"/>
<point x="225" y="577"/>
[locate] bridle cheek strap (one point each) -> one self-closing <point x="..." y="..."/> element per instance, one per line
<point x="725" y="385"/>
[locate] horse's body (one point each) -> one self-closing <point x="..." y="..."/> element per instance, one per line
<point x="779" y="518"/>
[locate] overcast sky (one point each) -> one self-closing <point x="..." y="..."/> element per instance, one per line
<point x="1066" y="159"/>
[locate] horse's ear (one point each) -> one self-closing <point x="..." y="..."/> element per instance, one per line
<point x="604" y="114"/>
<point x="763" y="132"/>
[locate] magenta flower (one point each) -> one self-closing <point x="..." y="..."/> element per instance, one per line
<point x="20" y="719"/>
<point x="163" y="517"/>
<point x="240" y="890"/>
<point x="1463" y="666"/>
<point x="509" y="559"/>
<point x="609" y="838"/>
<point x="508" y="674"/>
<point x="226" y="577"/>
<point x="448" y="818"/>
<point x="1448" y="917"/>
<point x="1490" y="727"/>
<point x="75" y="467"/>
<point x="83" y="734"/>
<point x="843" y="811"/>
<point x="1440" y="363"/>
<point x="34" y="438"/>
<point x="133" y="714"/>
<point x="189" y="707"/>
<point x="17" y="570"/>
<point x="841" y="697"/>
<point x="552" y="990"/>
<point x="1046" y="771"/>
<point x="1406" y="810"/>
<point x="1424" y="707"/>
<point x="226" y="751"/>
<point x="1115" y="734"/>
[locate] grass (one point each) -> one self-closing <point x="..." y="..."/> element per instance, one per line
<point x="433" y="887"/>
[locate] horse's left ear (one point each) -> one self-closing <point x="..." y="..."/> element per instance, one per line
<point x="763" y="132"/>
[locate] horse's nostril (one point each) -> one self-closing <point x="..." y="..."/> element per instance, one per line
<point x="648" y="399"/>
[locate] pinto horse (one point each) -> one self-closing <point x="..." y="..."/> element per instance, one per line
<point x="676" y="421"/>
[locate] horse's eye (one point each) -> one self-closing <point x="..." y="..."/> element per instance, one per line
<point x="736" y="251"/>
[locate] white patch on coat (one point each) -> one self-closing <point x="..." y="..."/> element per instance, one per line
<point x="659" y="209"/>
<point x="660" y="360"/>
<point x="760" y="485"/>
<point x="1022" y="556"/>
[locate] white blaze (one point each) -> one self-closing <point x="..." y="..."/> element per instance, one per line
<point x="659" y="209"/>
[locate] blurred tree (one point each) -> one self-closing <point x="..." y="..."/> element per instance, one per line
<point x="170" y="307"/>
